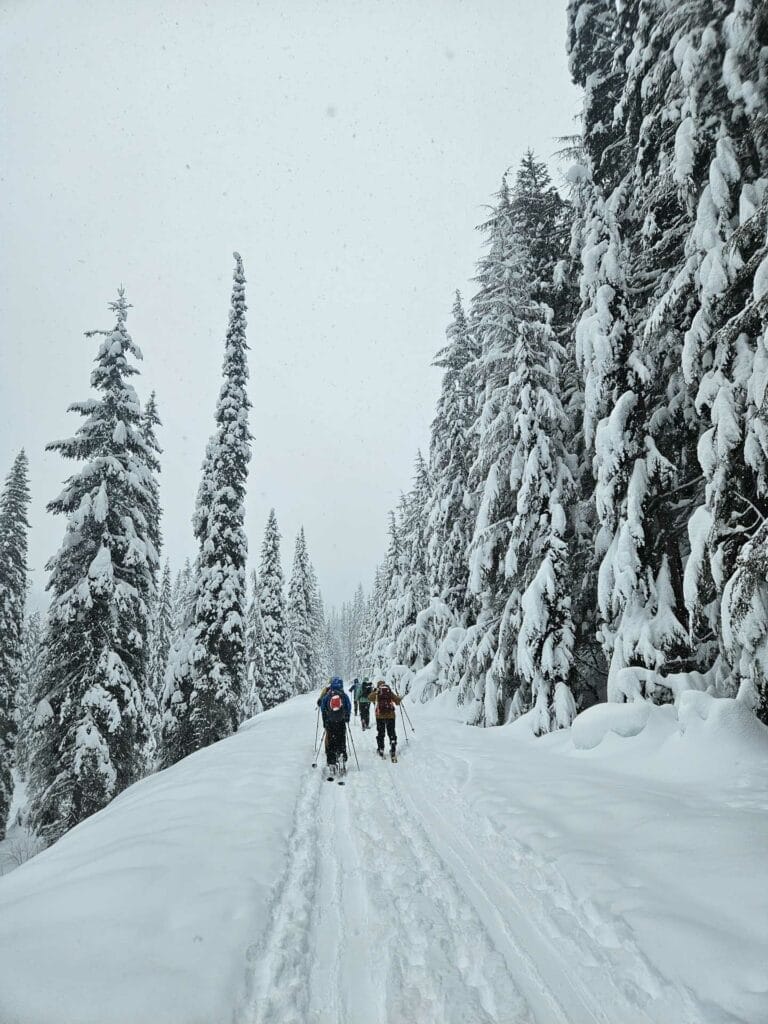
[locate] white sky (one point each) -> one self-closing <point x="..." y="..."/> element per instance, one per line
<point x="345" y="148"/>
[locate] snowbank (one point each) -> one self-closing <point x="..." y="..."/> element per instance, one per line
<point x="590" y="728"/>
<point x="144" y="912"/>
<point x="701" y="738"/>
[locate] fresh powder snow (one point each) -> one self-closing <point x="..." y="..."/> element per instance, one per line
<point x="614" y="871"/>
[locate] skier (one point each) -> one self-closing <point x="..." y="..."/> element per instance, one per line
<point x="386" y="701"/>
<point x="366" y="688"/>
<point x="336" y="709"/>
<point x="355" y="690"/>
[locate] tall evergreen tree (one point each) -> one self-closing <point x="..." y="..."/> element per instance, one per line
<point x="183" y="599"/>
<point x="387" y="597"/>
<point x="452" y="450"/>
<point x="31" y="646"/>
<point x="276" y="684"/>
<point x="92" y="726"/>
<point x="414" y="641"/>
<point x="162" y="634"/>
<point x="202" y="701"/>
<point x="254" y="653"/>
<point x="326" y="635"/>
<point x="301" y="619"/>
<point x="149" y="421"/>
<point x="14" y="505"/>
<point x="496" y="317"/>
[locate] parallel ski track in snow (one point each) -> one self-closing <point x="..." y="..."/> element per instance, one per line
<point x="399" y="904"/>
<point x="596" y="974"/>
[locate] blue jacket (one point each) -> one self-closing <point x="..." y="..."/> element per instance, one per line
<point x="345" y="699"/>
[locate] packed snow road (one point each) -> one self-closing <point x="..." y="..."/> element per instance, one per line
<point x="484" y="879"/>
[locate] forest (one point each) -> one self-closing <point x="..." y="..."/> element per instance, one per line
<point x="588" y="524"/>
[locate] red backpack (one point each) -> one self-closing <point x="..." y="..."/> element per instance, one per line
<point x="335" y="708"/>
<point x="384" y="703"/>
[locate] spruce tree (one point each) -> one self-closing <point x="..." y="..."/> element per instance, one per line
<point x="387" y="597"/>
<point x="414" y="643"/>
<point x="149" y="421"/>
<point x="31" y="642"/>
<point x="162" y="634"/>
<point x="276" y="684"/>
<point x="202" y="700"/>
<point x="301" y="619"/>
<point x="452" y="452"/>
<point x="325" y="635"/>
<point x="183" y="598"/>
<point x="491" y="666"/>
<point x="92" y="726"/>
<point x="537" y="556"/>
<point x="254" y="653"/>
<point x="14" y="505"/>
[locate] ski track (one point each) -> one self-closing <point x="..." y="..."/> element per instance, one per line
<point x="278" y="989"/>
<point x="389" y="912"/>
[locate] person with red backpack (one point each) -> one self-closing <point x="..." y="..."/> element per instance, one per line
<point x="336" y="708"/>
<point x="386" y="701"/>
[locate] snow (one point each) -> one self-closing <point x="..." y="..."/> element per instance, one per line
<point x="685" y="150"/>
<point x="760" y="284"/>
<point x="240" y="886"/>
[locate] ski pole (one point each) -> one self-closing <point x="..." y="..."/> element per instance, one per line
<point x="353" y="746"/>
<point x="405" y="713"/>
<point x="405" y="731"/>
<point x="314" y="763"/>
<point x="317" y="724"/>
<point x="408" y="717"/>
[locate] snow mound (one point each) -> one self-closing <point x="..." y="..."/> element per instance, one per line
<point x="723" y="723"/>
<point x="702" y="737"/>
<point x="590" y="728"/>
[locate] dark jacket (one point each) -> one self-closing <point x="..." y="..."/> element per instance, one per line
<point x="345" y="699"/>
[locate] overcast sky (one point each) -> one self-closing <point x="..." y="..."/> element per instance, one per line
<point x="345" y="148"/>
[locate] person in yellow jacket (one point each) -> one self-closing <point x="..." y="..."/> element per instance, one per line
<point x="385" y="700"/>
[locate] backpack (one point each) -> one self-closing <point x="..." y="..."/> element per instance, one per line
<point x="367" y="687"/>
<point x="334" y="709"/>
<point x="384" y="704"/>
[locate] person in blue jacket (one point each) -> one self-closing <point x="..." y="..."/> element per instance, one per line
<point x="336" y="709"/>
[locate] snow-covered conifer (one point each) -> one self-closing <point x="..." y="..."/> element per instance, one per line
<point x="149" y="421"/>
<point x="162" y="634"/>
<point x="14" y="527"/>
<point x="183" y="599"/>
<point x="32" y="636"/>
<point x="276" y="683"/>
<point x="90" y="717"/>
<point x="205" y="682"/>
<point x="254" y="653"/>
<point x="302" y="619"/>
<point x="452" y="451"/>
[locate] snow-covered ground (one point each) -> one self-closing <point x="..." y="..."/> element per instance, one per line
<point x="584" y="877"/>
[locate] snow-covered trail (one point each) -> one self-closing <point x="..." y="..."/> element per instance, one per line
<point x="369" y="926"/>
<point x="484" y="879"/>
<point x="403" y="903"/>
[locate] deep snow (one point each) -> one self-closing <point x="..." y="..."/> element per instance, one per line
<point x="487" y="877"/>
